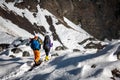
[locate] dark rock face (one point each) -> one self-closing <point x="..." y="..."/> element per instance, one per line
<point x="100" y="18"/>
<point x="30" y="4"/>
<point x="9" y="1"/>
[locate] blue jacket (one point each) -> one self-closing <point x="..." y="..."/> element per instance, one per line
<point x="35" y="45"/>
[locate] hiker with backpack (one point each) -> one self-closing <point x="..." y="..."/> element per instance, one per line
<point x="36" y="46"/>
<point x="46" y="46"/>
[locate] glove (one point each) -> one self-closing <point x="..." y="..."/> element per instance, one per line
<point x="51" y="44"/>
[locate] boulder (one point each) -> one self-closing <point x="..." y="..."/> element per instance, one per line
<point x="59" y="48"/>
<point x="12" y="56"/>
<point x="118" y="55"/>
<point x="26" y="54"/>
<point x="116" y="73"/>
<point x="76" y="50"/>
<point x="3" y="46"/>
<point x="16" y="50"/>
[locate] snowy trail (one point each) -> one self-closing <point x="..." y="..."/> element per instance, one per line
<point x="72" y="66"/>
<point x="18" y="71"/>
<point x="23" y="70"/>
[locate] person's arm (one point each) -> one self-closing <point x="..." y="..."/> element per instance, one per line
<point x="40" y="40"/>
<point x="51" y="44"/>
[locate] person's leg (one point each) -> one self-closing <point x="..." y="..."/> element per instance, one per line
<point x="47" y="54"/>
<point x="47" y="51"/>
<point x="36" y="56"/>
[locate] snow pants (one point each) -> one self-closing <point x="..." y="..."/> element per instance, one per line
<point x="36" y="55"/>
<point x="47" y="51"/>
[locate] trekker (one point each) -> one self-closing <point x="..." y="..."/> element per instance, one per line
<point x="46" y="46"/>
<point x="36" y="46"/>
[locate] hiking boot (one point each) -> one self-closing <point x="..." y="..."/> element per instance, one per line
<point x="46" y="58"/>
<point x="38" y="63"/>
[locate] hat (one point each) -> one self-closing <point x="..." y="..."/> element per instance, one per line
<point x="35" y="37"/>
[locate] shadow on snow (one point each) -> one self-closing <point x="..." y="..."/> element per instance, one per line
<point x="74" y="60"/>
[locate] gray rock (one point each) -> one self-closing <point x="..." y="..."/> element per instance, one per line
<point x="26" y="54"/>
<point x="12" y="56"/>
<point x="76" y="50"/>
<point x="118" y="55"/>
<point x="3" y="46"/>
<point x="16" y="50"/>
<point x="59" y="48"/>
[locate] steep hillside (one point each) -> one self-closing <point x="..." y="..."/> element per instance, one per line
<point x="93" y="16"/>
<point x="75" y="54"/>
<point x="100" y="18"/>
<point x="17" y="14"/>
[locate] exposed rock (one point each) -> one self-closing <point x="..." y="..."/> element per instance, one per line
<point x="112" y="78"/>
<point x="115" y="73"/>
<point x="84" y="41"/>
<point x="29" y="4"/>
<point x="3" y="46"/>
<point x="117" y="53"/>
<point x="93" y="66"/>
<point x="12" y="56"/>
<point x="56" y="54"/>
<point x="76" y="50"/>
<point x="9" y="1"/>
<point x="16" y="50"/>
<point x="53" y="30"/>
<point x="95" y="45"/>
<point x="26" y="54"/>
<point x="100" y="18"/>
<point x="22" y="22"/>
<point x="59" y="48"/>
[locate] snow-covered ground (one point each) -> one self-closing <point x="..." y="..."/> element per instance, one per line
<point x="67" y="65"/>
<point x="86" y="64"/>
<point x="69" y="37"/>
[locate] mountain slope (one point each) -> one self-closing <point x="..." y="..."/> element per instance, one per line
<point x="85" y="58"/>
<point x="62" y="31"/>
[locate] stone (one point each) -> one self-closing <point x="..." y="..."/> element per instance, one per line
<point x="26" y="54"/>
<point x="16" y="50"/>
<point x="59" y="48"/>
<point x="76" y="50"/>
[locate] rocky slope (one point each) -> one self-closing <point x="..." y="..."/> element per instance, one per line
<point x="100" y="18"/>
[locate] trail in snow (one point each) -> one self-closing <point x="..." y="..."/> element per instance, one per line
<point x="24" y="69"/>
<point x="20" y="70"/>
<point x="72" y="66"/>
